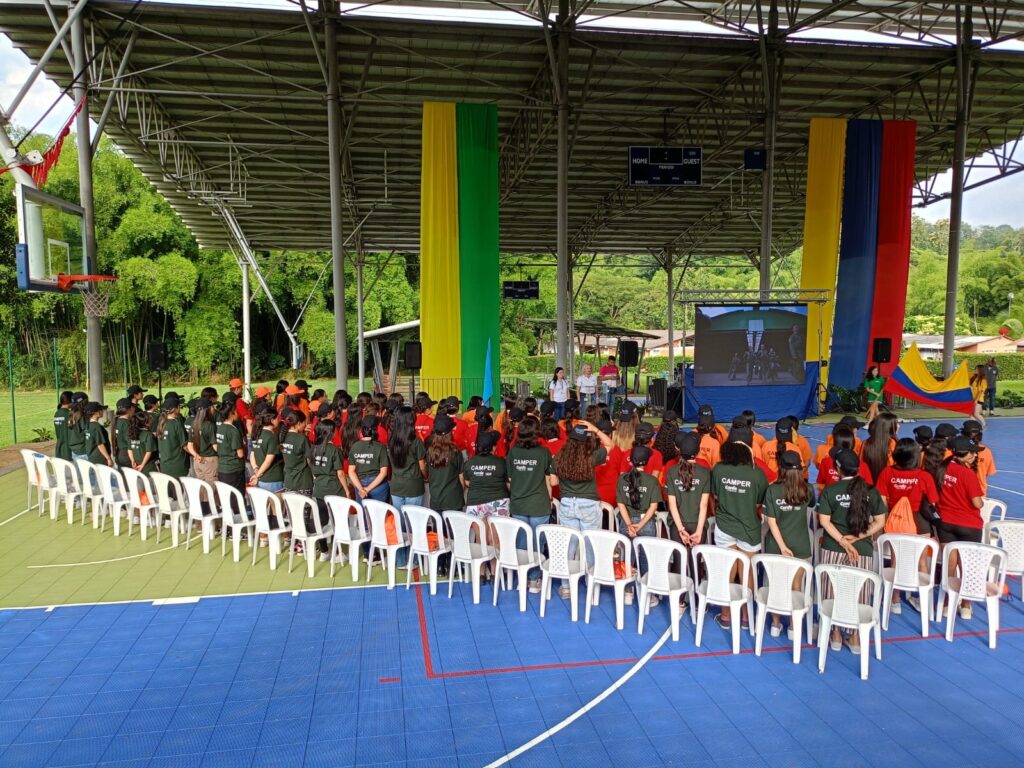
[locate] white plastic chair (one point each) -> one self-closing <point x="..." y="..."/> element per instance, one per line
<point x="605" y="545"/>
<point x="309" y="532"/>
<point x="992" y="510"/>
<point x="973" y="583"/>
<point x="170" y="501"/>
<point x="143" y="500"/>
<point x="91" y="489"/>
<point x="1009" y="537"/>
<point x="196" y="492"/>
<point x="774" y="576"/>
<point x="378" y="512"/>
<point x="264" y="505"/>
<point x="469" y="550"/>
<point x="661" y="579"/>
<point x="566" y="550"/>
<point x="844" y="609"/>
<point x="419" y="519"/>
<point x="115" y="500"/>
<point x="234" y="520"/>
<point x="69" y="488"/>
<point x="609" y="517"/>
<point x="349" y="521"/>
<point x="32" y="479"/>
<point x="47" y="480"/>
<point x="717" y="587"/>
<point x="510" y="559"/>
<point x="907" y="551"/>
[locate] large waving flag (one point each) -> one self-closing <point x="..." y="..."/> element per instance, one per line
<point x="914" y="381"/>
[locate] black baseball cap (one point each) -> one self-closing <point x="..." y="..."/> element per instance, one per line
<point x="963" y="444"/>
<point x="444" y="424"/>
<point x="605" y="426"/>
<point x="571" y="403"/>
<point x="706" y="410"/>
<point x="483" y="410"/>
<point x="923" y="433"/>
<point x="424" y="402"/>
<point x="79" y="397"/>
<point x="484" y="440"/>
<point x="201" y="404"/>
<point x="790" y="460"/>
<point x="640" y="455"/>
<point x="739" y="421"/>
<point x="784" y="430"/>
<point x="945" y="431"/>
<point x="688" y="444"/>
<point x="970" y="425"/>
<point x="644" y="431"/>
<point x="171" y="402"/>
<point x="516" y="414"/>
<point x="705" y="420"/>
<point x="847" y="461"/>
<point x="149" y="401"/>
<point x="743" y="435"/>
<point x="302" y="384"/>
<point x="670" y="416"/>
<point x="230" y="397"/>
<point x="627" y="410"/>
<point x="123" y="404"/>
<point x="94" y="407"/>
<point x="579" y="432"/>
<point x="135" y="389"/>
<point x="851" y="421"/>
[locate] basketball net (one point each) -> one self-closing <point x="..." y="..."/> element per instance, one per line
<point x="96" y="302"/>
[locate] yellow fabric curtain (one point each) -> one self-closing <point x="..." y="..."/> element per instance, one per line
<point x="440" y="316"/>
<point x="825" y="157"/>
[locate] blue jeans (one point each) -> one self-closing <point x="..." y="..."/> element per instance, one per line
<point x="79" y="456"/>
<point x="273" y="487"/>
<point x="990" y="399"/>
<point x="381" y="493"/>
<point x="533" y="522"/>
<point x="559" y="412"/>
<point x="588" y="398"/>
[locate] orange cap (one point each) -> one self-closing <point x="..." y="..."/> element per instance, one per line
<point x="262" y="391"/>
<point x="291" y="389"/>
<point x="236" y="383"/>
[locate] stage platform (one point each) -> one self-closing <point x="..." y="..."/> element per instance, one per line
<point x="118" y="652"/>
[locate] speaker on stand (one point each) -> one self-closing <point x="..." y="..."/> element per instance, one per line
<point x="158" y="362"/>
<point x="412" y="360"/>
<point x="881" y="350"/>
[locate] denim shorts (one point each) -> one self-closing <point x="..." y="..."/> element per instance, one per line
<point x="723" y="539"/>
<point x="274" y="487"/>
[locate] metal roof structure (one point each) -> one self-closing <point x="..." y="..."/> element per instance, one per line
<point x="225" y="107"/>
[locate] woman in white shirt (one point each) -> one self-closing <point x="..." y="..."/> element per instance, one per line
<point x="586" y="384"/>
<point x="558" y="392"/>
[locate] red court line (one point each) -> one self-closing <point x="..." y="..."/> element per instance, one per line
<point x="428" y="664"/>
<point x="389" y="680"/>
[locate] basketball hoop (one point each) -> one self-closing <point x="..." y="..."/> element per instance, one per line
<point x="95" y="291"/>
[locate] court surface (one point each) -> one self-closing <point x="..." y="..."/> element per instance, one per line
<point x="206" y="662"/>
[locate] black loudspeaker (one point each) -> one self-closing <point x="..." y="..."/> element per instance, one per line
<point x="157" y="356"/>
<point x="881" y="350"/>
<point x="674" y="400"/>
<point x="629" y="353"/>
<point x="413" y="355"/>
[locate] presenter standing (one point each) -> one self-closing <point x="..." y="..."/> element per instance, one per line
<point x="873" y="383"/>
<point x="558" y="392"/>
<point x="586" y="385"/>
<point x="609" y="376"/>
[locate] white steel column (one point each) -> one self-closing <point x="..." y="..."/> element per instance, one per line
<point x="671" y="318"/>
<point x="770" y="86"/>
<point x="562" y="340"/>
<point x="334" y="137"/>
<point x="93" y="325"/>
<point x="359" y="322"/>
<point x="246" y="333"/>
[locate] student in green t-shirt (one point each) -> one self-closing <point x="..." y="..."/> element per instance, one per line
<point x="368" y="463"/>
<point x="295" y="451"/>
<point x="60" y="426"/>
<point x="444" y="467"/>
<point x="738" y="486"/>
<point x="97" y="441"/>
<point x="531" y="478"/>
<point x="638" y="493"/>
<point x="142" y="450"/>
<point x="408" y="458"/>
<point x="171" y="438"/>
<point x="850" y="513"/>
<point x="785" y="510"/>
<point x="688" y="492"/>
<point x="125" y="412"/>
<point x="328" y="467"/>
<point x="230" y="448"/>
<point x="77" y="422"/>
<point x="485" y="477"/>
<point x="873" y="384"/>
<point x="265" y="458"/>
<point x="585" y="449"/>
<point x="202" y="445"/>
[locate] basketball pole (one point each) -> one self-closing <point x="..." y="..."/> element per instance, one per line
<point x="93" y="328"/>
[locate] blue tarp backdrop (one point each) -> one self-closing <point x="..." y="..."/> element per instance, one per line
<point x="769" y="402"/>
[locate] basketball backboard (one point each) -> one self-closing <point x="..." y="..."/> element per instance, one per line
<point x="50" y="239"/>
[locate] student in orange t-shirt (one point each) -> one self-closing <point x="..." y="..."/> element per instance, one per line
<point x="710" y="451"/>
<point x="786" y="439"/>
<point x="749" y="419"/>
<point x="985" y="466"/>
<point x="470" y="415"/>
<point x="707" y="414"/>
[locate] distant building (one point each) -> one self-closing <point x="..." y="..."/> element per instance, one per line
<point x="930" y="346"/>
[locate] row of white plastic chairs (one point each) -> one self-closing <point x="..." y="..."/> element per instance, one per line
<point x="194" y="503"/>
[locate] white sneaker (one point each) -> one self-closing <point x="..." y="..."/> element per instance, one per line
<point x="966" y="612"/>
<point x="534" y="586"/>
<point x="564" y="592"/>
<point x="653" y="601"/>
<point x="628" y="598"/>
<point x="776" y="631"/>
<point x="325" y="557"/>
<point x="897" y="608"/>
<point x="915" y="602"/>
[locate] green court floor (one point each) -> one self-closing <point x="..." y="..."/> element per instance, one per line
<point x="45" y="562"/>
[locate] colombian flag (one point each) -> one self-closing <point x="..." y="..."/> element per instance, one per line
<point x="459" y="280"/>
<point x="912" y="380"/>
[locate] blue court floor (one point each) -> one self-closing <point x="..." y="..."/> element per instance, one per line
<point x="371" y="676"/>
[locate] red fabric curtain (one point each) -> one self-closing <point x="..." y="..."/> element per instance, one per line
<point x="899" y="140"/>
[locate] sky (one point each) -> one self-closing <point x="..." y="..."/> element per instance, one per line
<point x="1000" y="202"/>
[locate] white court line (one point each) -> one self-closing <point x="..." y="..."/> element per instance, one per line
<point x="15" y="517"/>
<point x="1008" y="490"/>
<point x="586" y="707"/>
<point x="101" y="562"/>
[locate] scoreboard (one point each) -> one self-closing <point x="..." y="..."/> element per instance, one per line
<point x="665" y="166"/>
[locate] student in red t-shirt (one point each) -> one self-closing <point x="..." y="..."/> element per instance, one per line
<point x="655" y="466"/>
<point x="424" y="421"/>
<point x="842" y="440"/>
<point x="960" y="502"/>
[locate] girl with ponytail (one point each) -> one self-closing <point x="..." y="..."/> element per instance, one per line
<point x="142" y="450"/>
<point x="171" y="438"/>
<point x="265" y="459"/>
<point x="688" y="490"/>
<point x="76" y="426"/>
<point x="638" y="494"/>
<point x="230" y="447"/>
<point x="203" y="446"/>
<point x="295" y="452"/>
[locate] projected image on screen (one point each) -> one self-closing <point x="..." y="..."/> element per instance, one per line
<point x="748" y="346"/>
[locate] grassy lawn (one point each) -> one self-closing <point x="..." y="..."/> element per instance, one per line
<point x="34" y="410"/>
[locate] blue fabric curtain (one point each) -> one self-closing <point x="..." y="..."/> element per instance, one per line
<point x="855" y="284"/>
<point x="769" y="402"/>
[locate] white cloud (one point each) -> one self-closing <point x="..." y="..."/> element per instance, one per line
<point x="16" y="69"/>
